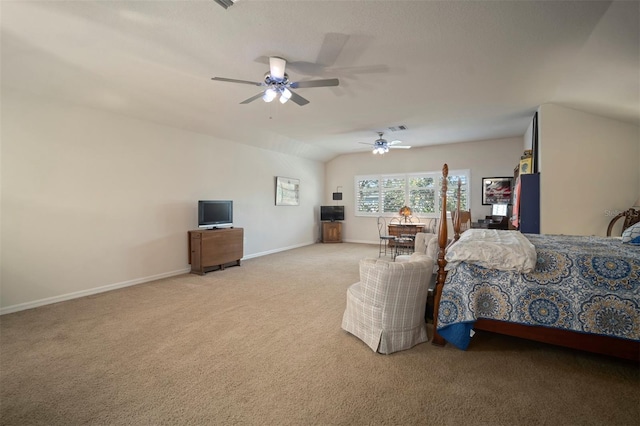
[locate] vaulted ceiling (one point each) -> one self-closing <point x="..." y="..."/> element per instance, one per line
<point x="450" y="71"/>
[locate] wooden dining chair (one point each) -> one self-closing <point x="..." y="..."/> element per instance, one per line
<point x="465" y="219"/>
<point x="631" y="216"/>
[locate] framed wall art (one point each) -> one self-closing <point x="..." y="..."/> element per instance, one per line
<point x="287" y="191"/>
<point x="496" y="190"/>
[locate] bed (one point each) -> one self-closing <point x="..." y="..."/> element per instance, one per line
<point x="579" y="292"/>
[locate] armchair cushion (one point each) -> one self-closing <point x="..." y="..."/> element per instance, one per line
<point x="385" y="309"/>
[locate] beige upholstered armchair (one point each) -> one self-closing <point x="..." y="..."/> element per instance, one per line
<point x="386" y="308"/>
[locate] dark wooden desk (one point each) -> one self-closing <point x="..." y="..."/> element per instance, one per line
<point x="398" y="230"/>
<point x="489" y="223"/>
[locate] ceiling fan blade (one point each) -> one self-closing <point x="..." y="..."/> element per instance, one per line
<point x="306" y="68"/>
<point x="351" y="71"/>
<point x="276" y="68"/>
<point x="367" y="143"/>
<point x="331" y="48"/>
<point x="400" y="147"/>
<point x="253" y="98"/>
<point x="315" y="83"/>
<point x="233" y="80"/>
<point x="298" y="99"/>
<point x="394" y="142"/>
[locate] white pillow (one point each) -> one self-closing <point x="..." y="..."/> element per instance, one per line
<point x="631" y="235"/>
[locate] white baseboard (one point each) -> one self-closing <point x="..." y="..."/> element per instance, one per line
<point x="362" y="242"/>
<point x="89" y="292"/>
<point x="264" y="253"/>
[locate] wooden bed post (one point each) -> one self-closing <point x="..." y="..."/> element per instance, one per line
<point x="456" y="221"/>
<point x="442" y="243"/>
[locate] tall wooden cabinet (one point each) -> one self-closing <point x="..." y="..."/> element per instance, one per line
<point x="214" y="249"/>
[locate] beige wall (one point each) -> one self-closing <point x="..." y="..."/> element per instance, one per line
<point x="92" y="201"/>
<point x="490" y="158"/>
<point x="590" y="170"/>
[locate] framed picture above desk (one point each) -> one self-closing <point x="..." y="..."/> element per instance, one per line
<point x="496" y="190"/>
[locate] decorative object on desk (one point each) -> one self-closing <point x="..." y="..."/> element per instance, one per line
<point x="496" y="190"/>
<point x="287" y="191"/>
<point x="405" y="212"/>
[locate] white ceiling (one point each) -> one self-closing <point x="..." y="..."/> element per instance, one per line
<point x="450" y="71"/>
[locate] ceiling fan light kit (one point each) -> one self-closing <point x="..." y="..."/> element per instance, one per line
<point x="285" y="95"/>
<point x="381" y="150"/>
<point x="269" y="95"/>
<point x="277" y="83"/>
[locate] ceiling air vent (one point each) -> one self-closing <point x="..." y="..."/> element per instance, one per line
<point x="397" y="128"/>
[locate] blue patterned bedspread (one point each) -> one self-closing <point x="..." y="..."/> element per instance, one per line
<point x="585" y="284"/>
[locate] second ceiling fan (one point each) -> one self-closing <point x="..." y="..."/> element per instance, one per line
<point x="381" y="146"/>
<point x="276" y="83"/>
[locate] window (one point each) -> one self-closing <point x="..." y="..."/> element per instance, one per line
<point x="384" y="195"/>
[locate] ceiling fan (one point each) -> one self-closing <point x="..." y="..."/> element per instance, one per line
<point x="381" y="146"/>
<point x="276" y="83"/>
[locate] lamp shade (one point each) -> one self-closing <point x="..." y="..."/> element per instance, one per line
<point x="269" y="95"/>
<point x="637" y="203"/>
<point x="285" y="96"/>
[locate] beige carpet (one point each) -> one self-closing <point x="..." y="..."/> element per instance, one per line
<point x="261" y="344"/>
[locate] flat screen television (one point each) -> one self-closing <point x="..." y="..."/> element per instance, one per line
<point x="215" y="213"/>
<point x="331" y="213"/>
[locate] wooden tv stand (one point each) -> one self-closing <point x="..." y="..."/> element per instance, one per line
<point x="331" y="232"/>
<point x="213" y="249"/>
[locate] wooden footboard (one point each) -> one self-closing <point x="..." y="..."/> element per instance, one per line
<point x="605" y="345"/>
<point x="595" y="343"/>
